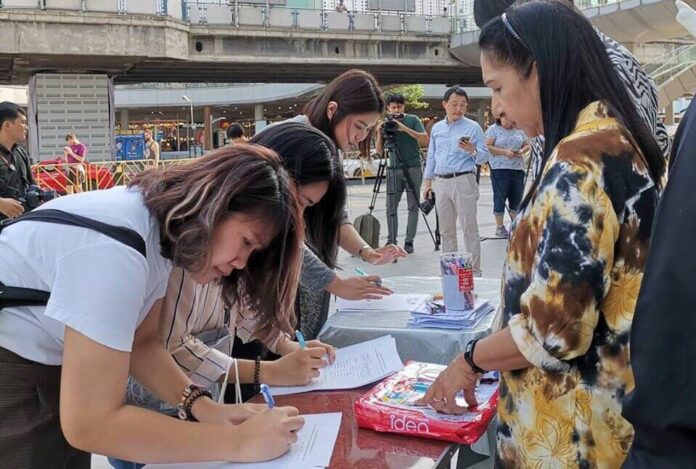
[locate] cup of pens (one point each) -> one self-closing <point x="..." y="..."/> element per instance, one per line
<point x="457" y="271"/>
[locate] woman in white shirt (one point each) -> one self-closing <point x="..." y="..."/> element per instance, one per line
<point x="231" y="216"/>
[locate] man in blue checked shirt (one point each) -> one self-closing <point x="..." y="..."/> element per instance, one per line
<point x="457" y="145"/>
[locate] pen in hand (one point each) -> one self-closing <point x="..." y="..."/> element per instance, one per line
<point x="267" y="396"/>
<point x="365" y="274"/>
<point x="300" y="340"/>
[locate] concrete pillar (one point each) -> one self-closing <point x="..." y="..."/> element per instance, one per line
<point x="259" y="118"/>
<point x="669" y="114"/>
<point x="207" y="128"/>
<point x="124" y="119"/>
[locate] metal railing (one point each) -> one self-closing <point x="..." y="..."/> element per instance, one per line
<point x="68" y="178"/>
<point x="463" y="23"/>
<point x="121" y="7"/>
<point x="683" y="54"/>
<point x="409" y="17"/>
<point x="278" y="14"/>
<point x="683" y="59"/>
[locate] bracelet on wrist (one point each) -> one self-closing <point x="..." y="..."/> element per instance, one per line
<point x="469" y="357"/>
<point x="189" y="395"/>
<point x="257" y="372"/>
<point x="360" y="251"/>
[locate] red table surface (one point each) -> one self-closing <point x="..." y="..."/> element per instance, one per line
<point x="359" y="447"/>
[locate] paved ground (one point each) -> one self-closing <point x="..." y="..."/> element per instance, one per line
<point x="424" y="261"/>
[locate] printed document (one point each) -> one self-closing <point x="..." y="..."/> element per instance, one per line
<point x="313" y="449"/>
<point x="355" y="366"/>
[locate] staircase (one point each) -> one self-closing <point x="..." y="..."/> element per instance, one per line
<point x="674" y="74"/>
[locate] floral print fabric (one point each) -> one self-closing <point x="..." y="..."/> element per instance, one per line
<point x="570" y="284"/>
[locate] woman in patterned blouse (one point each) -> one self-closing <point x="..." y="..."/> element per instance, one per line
<point x="577" y="249"/>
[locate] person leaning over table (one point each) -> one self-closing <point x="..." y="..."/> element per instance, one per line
<point x="230" y="216"/>
<point x="197" y="324"/>
<point x="577" y="251"/>
<point x="347" y="111"/>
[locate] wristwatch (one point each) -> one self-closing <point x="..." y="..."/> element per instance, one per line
<point x="469" y="356"/>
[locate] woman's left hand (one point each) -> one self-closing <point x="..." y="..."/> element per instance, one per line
<point x="441" y="395"/>
<point x="384" y="255"/>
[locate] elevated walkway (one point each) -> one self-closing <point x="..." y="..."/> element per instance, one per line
<point x="629" y="22"/>
<point x="144" y="41"/>
<point x="674" y="74"/>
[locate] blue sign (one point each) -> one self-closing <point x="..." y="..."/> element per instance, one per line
<point x="130" y="147"/>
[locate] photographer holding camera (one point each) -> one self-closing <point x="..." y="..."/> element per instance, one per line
<point x="408" y="136"/>
<point x="15" y="169"/>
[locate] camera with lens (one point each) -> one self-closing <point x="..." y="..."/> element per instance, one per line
<point x="35" y="196"/>
<point x="428" y="204"/>
<point x="390" y="127"/>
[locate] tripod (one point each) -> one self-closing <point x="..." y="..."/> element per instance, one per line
<point x="391" y="153"/>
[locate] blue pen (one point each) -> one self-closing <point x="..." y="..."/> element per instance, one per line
<point x="267" y="396"/>
<point x="300" y="339"/>
<point x="364" y="274"/>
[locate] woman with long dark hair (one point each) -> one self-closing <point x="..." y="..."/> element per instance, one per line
<point x="577" y="250"/>
<point x="84" y="276"/>
<point x="347" y="110"/>
<point x="198" y="325"/>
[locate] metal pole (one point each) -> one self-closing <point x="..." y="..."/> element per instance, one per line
<point x="190" y="129"/>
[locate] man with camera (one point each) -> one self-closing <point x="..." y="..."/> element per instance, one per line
<point x="457" y="146"/>
<point x="404" y="135"/>
<point x="15" y="169"/>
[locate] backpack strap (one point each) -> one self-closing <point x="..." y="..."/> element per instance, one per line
<point x="16" y="296"/>
<point x="119" y="233"/>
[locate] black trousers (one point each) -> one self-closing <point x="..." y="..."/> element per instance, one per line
<point x="30" y="433"/>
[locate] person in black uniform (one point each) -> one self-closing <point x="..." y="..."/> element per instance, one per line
<point x="15" y="168"/>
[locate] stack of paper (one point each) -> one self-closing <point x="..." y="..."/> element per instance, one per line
<point x="314" y="447"/>
<point x="394" y="302"/>
<point x="355" y="366"/>
<point x="433" y="315"/>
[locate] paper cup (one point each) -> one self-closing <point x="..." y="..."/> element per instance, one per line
<point x="457" y="280"/>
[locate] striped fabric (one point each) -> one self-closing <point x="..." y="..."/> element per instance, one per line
<point x="194" y="318"/>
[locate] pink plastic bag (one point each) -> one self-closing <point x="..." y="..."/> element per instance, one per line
<point x="388" y="407"/>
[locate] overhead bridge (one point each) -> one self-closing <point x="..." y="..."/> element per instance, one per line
<point x="158" y="41"/>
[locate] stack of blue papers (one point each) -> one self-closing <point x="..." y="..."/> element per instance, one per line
<point x="434" y="315"/>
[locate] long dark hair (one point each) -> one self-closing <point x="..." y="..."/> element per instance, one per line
<point x="191" y="200"/>
<point x="574" y="71"/>
<point x="310" y="156"/>
<point x="355" y="91"/>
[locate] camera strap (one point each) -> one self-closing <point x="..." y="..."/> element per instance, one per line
<point x="16" y="296"/>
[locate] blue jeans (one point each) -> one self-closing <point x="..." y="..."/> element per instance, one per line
<point x="120" y="464"/>
<point x="508" y="185"/>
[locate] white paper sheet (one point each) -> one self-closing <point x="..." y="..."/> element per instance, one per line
<point x="355" y="366"/>
<point x="313" y="449"/>
<point x="394" y="302"/>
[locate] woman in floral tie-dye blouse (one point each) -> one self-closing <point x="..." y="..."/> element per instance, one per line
<point x="577" y="250"/>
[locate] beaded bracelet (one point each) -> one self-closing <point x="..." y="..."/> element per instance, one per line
<point x="257" y="372"/>
<point x="189" y="395"/>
